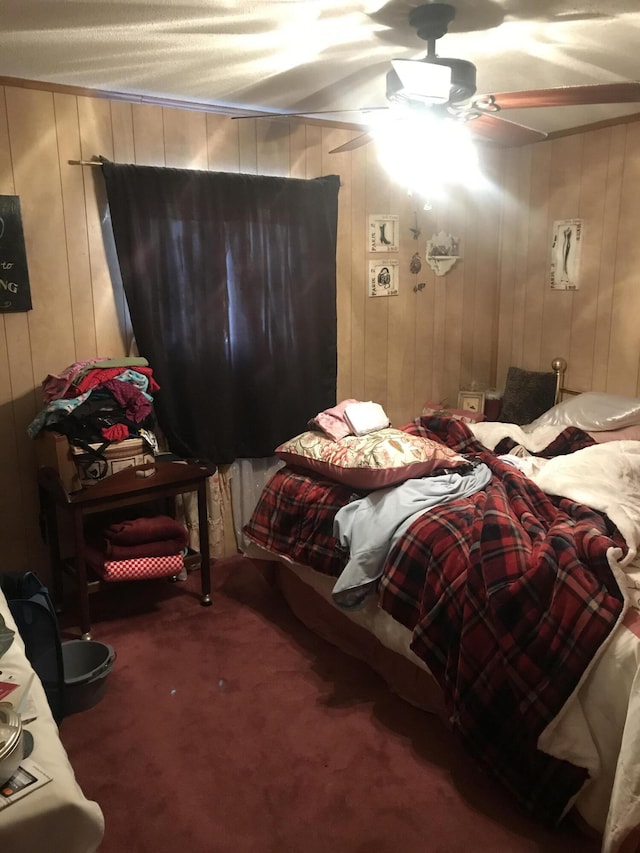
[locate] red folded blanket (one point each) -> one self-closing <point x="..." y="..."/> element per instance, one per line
<point x="161" y="548"/>
<point x="139" y="531"/>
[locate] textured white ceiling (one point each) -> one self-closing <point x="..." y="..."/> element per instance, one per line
<point x="306" y="55"/>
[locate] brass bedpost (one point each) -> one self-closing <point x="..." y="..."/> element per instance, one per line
<point x="559" y="366"/>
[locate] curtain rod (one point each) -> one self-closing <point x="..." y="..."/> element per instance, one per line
<point x="99" y="163"/>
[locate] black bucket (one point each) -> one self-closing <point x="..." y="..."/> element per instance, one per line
<point x="87" y="663"/>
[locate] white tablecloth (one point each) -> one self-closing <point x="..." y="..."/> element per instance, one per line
<point x="56" y="818"/>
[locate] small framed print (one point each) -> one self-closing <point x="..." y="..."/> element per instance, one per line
<point x="471" y="401"/>
<point x="383" y="278"/>
<point x="383" y="232"/>
<point x="566" y="244"/>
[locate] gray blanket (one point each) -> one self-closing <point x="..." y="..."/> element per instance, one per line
<point x="370" y="526"/>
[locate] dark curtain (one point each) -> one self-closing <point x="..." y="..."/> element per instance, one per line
<point x="231" y="286"/>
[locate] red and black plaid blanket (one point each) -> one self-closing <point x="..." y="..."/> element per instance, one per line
<point x="508" y="594"/>
<point x="294" y="518"/>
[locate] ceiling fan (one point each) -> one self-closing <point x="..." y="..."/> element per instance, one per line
<point x="446" y="88"/>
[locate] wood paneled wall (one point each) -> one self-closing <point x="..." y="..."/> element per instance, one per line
<point x="491" y="310"/>
<point x="593" y="176"/>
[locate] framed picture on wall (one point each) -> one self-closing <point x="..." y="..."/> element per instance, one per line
<point x="383" y="232"/>
<point x="383" y="278"/>
<point x="471" y="401"/>
<point x="566" y="245"/>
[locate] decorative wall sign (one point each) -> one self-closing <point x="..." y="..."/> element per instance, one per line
<point x="566" y="242"/>
<point x="15" y="294"/>
<point x="443" y="250"/>
<point x="383" y="232"/>
<point x="383" y="278"/>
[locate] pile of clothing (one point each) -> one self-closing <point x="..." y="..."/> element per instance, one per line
<point x="102" y="400"/>
<point x="138" y="548"/>
<point x="350" y="417"/>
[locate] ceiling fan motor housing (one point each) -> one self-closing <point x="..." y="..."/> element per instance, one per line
<point x="463" y="80"/>
<point x="432" y="20"/>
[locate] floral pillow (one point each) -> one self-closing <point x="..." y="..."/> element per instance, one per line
<point x="374" y="461"/>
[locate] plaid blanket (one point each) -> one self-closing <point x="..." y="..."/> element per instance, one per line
<point x="294" y="518"/>
<point x="508" y="593"/>
<point x="509" y="596"/>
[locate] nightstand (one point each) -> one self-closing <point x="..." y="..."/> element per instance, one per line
<point x="135" y="485"/>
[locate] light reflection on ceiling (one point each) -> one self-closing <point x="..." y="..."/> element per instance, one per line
<point x="301" y="55"/>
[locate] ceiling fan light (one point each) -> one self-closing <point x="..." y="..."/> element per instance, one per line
<point x="428" y="155"/>
<point x="422" y="81"/>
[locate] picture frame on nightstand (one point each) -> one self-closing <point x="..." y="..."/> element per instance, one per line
<point x="471" y="401"/>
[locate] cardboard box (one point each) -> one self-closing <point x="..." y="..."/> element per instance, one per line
<point x="53" y="451"/>
<point x="77" y="468"/>
<point x="115" y="457"/>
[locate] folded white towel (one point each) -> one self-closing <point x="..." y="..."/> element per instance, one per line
<point x="364" y="418"/>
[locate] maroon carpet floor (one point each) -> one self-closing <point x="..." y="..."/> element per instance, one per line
<point x="233" y="729"/>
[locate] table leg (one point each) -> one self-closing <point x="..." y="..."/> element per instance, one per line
<point x="49" y="511"/>
<point x="81" y="575"/>
<point x="203" y="525"/>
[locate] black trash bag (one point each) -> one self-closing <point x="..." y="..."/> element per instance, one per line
<point x="35" y="616"/>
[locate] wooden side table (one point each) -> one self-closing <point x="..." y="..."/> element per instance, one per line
<point x="131" y="486"/>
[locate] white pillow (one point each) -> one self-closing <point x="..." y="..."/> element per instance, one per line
<point x="592" y="411"/>
<point x="364" y="418"/>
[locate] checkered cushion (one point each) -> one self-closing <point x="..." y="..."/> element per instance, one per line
<point x="141" y="568"/>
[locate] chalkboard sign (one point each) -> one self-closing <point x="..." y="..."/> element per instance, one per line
<point x="15" y="294"/>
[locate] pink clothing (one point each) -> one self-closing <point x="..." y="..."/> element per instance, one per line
<point x="56" y="385"/>
<point x="332" y="421"/>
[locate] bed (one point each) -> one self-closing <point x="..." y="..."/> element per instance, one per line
<point x="508" y="603"/>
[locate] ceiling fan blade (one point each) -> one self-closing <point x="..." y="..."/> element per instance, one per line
<point x="356" y="142"/>
<point x="569" y="96"/>
<point x="502" y="132"/>
<point x="310" y="113"/>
